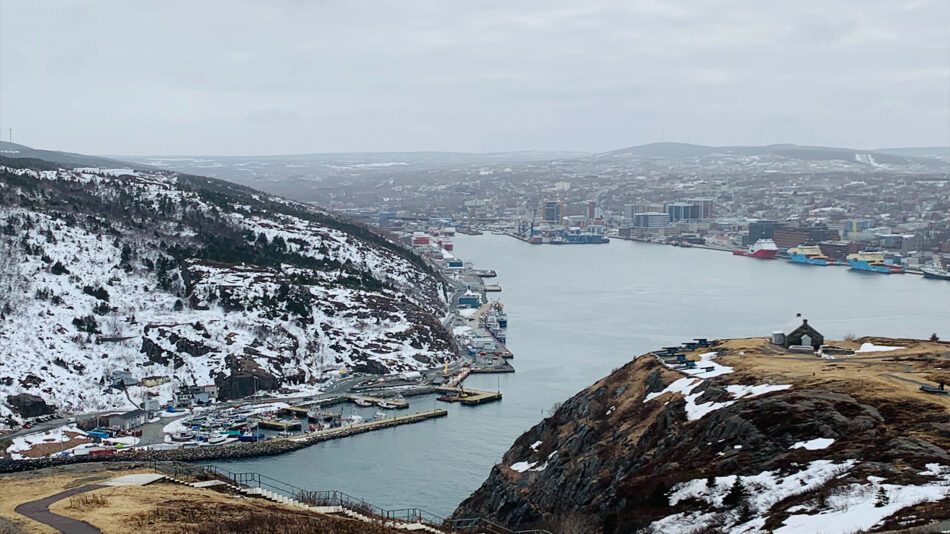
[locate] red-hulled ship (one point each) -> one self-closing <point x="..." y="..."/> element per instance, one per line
<point x="763" y="248"/>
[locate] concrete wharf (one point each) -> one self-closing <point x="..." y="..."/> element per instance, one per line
<point x="468" y="397"/>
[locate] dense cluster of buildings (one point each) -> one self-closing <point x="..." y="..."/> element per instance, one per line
<point x="727" y="202"/>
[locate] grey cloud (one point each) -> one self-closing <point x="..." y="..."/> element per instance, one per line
<point x="297" y="76"/>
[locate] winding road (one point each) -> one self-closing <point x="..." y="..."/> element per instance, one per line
<point x="39" y="511"/>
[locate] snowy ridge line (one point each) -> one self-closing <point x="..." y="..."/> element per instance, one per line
<point x="93" y="274"/>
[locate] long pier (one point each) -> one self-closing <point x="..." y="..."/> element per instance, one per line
<point x="359" y="428"/>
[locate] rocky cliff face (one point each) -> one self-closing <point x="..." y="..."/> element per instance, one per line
<point x="753" y="440"/>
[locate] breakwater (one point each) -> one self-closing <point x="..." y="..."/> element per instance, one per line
<point x="271" y="447"/>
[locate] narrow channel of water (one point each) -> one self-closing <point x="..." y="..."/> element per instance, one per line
<point x="575" y="313"/>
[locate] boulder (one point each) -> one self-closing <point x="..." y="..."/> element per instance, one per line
<point x="28" y="405"/>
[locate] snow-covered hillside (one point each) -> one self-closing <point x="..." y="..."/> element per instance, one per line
<point x="168" y="275"/>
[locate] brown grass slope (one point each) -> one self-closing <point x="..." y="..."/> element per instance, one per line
<point x="617" y="456"/>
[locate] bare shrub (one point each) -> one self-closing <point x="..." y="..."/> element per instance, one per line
<point x="86" y="501"/>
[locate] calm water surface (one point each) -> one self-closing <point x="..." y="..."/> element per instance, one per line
<point x="575" y="313"/>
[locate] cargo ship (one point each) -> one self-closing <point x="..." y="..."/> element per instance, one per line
<point x="496" y="322"/>
<point x="873" y="262"/>
<point x="809" y="255"/>
<point x="763" y="249"/>
<point x="935" y="272"/>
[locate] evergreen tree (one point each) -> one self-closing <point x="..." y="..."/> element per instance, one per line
<point x="882" y="498"/>
<point x="736" y="493"/>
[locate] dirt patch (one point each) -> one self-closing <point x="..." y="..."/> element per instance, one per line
<point x="41" y="450"/>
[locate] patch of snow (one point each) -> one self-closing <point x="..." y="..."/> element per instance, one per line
<point x="857" y="508"/>
<point x="871" y="347"/>
<point x="521" y="467"/>
<point x="535" y="445"/>
<point x="696" y="411"/>
<point x="739" y="392"/>
<point x="765" y="490"/>
<point x="705" y="362"/>
<point x="683" y="386"/>
<point x="814" y="444"/>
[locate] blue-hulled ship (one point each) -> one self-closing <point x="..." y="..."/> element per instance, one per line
<point x="809" y="255"/>
<point x="873" y="262"/>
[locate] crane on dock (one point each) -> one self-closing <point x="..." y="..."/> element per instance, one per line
<point x="534" y="217"/>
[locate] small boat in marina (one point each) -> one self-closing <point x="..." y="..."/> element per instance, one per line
<point x="250" y="438"/>
<point x="385" y="405"/>
<point x="361" y="401"/>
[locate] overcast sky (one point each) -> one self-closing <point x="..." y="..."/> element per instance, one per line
<point x="167" y="77"/>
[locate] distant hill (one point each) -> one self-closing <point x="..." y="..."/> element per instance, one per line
<point x="64" y="159"/>
<point x="924" y="157"/>
<point x="939" y="152"/>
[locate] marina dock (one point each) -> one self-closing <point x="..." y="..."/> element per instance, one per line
<point x="468" y="397"/>
<point x="304" y="413"/>
<point x="398" y="403"/>
<point x="272" y="424"/>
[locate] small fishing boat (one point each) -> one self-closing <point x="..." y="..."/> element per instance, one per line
<point x="361" y="401"/>
<point x="250" y="438"/>
<point x="385" y="405"/>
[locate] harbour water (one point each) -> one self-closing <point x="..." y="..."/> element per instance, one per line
<point x="575" y="313"/>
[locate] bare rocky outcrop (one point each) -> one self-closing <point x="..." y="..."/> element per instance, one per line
<point x="28" y="405"/>
<point x="612" y="457"/>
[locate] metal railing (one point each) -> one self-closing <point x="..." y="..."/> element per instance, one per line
<point x="309" y="497"/>
<point x="484" y="526"/>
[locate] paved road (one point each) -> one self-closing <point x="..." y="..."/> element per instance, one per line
<point x="39" y="511"/>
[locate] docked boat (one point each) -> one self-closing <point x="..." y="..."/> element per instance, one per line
<point x="250" y="438"/>
<point x="763" y="249"/>
<point x="217" y="439"/>
<point x="873" y="262"/>
<point x="936" y="273"/>
<point x="183" y="436"/>
<point x="361" y="401"/>
<point x="809" y="255"/>
<point x="385" y="405"/>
